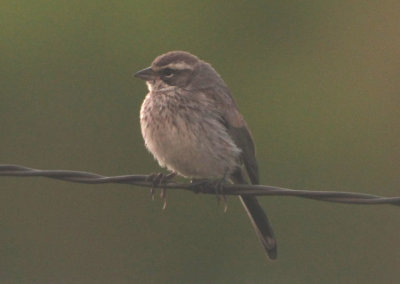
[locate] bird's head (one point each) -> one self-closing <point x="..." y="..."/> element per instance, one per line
<point x="179" y="69"/>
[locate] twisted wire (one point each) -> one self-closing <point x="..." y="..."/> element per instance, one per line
<point x="209" y="188"/>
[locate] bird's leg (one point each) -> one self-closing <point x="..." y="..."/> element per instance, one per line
<point x="163" y="193"/>
<point x="202" y="185"/>
<point x="220" y="191"/>
<point x="153" y="178"/>
<point x="157" y="180"/>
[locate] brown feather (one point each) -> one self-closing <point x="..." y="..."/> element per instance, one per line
<point x="241" y="135"/>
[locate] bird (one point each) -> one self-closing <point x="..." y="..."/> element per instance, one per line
<point x="191" y="124"/>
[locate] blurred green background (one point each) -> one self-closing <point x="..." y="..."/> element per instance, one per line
<point x="317" y="81"/>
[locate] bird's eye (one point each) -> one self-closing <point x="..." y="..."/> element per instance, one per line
<point x="168" y="72"/>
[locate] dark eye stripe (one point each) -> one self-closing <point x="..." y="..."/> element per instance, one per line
<point x="167" y="71"/>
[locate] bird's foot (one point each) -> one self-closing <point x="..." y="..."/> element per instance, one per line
<point x="217" y="185"/>
<point x="157" y="180"/>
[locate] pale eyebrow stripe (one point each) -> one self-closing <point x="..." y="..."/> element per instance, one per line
<point x="178" y="66"/>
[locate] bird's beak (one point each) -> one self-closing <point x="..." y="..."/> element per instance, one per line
<point x="145" y="74"/>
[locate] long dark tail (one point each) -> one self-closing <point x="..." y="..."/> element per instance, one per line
<point x="261" y="225"/>
<point x="259" y="220"/>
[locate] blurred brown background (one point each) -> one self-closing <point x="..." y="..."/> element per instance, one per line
<point x="317" y="81"/>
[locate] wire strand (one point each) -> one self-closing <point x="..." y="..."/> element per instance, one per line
<point x="207" y="188"/>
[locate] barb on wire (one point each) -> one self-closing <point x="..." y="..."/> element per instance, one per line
<point x="228" y="189"/>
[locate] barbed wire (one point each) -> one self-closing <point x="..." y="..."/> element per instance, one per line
<point x="206" y="188"/>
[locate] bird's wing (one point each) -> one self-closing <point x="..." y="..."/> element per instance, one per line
<point x="236" y="127"/>
<point x="240" y="133"/>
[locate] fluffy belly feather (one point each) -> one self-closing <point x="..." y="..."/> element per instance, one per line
<point x="189" y="141"/>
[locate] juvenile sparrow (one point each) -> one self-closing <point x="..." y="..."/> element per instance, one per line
<point x="192" y="126"/>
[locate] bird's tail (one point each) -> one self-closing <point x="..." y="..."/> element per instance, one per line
<point x="261" y="224"/>
<point x="259" y="220"/>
